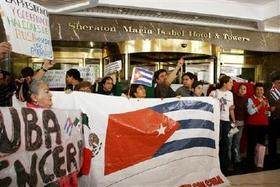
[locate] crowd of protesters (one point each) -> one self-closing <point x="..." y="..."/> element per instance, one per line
<point x="255" y="116"/>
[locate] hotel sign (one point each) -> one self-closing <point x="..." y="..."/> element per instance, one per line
<point x="75" y="28"/>
<point x="157" y="31"/>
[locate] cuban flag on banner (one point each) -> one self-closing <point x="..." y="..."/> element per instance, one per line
<point x="150" y="142"/>
<point x="156" y="135"/>
<point x="142" y="76"/>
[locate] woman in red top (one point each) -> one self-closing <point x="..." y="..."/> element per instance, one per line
<point x="258" y="109"/>
<point x="39" y="95"/>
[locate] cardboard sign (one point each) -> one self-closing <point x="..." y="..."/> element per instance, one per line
<point x="27" y="28"/>
<point x="112" y="67"/>
<point x="56" y="78"/>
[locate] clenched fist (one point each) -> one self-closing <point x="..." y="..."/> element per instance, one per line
<point x="5" y="48"/>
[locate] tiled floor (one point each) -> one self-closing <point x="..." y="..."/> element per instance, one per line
<point x="261" y="179"/>
<point x="244" y="168"/>
<point x="245" y="176"/>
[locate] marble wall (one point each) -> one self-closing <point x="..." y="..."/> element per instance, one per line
<point x="75" y="28"/>
<point x="271" y="66"/>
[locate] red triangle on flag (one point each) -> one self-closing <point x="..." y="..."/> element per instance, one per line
<point x="137" y="75"/>
<point x="134" y="137"/>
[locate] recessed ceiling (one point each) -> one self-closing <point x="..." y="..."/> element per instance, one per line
<point x="183" y="17"/>
<point x="150" y="10"/>
<point x="258" y="2"/>
<point x="58" y="3"/>
<point x="275" y="21"/>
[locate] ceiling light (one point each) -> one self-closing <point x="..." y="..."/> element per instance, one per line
<point x="184" y="45"/>
<point x="69" y="7"/>
<point x="158" y="13"/>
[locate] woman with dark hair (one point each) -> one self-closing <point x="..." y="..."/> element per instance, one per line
<point x="225" y="97"/>
<point x="187" y="79"/>
<point x="72" y="79"/>
<point x="197" y="89"/>
<point x="240" y="111"/>
<point x="137" y="91"/>
<point x="39" y="95"/>
<point x="259" y="111"/>
<point x="107" y="85"/>
<point x="214" y="86"/>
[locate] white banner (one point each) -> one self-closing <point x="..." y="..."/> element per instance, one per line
<point x="27" y="28"/>
<point x="39" y="146"/>
<point x="113" y="67"/>
<point x="56" y="78"/>
<point x="149" y="142"/>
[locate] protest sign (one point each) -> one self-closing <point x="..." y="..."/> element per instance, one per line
<point x="39" y="146"/>
<point x="113" y="67"/>
<point x="27" y="28"/>
<point x="149" y="142"/>
<point x="87" y="73"/>
<point x="56" y="78"/>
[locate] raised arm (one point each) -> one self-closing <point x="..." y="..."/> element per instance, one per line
<point x="5" y="48"/>
<point x="172" y="76"/>
<point x="45" y="67"/>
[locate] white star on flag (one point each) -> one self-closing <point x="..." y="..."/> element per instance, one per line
<point x="161" y="130"/>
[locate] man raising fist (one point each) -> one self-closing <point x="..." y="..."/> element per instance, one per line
<point x="164" y="80"/>
<point x="5" y="48"/>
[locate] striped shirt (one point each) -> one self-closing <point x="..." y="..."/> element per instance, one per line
<point x="275" y="93"/>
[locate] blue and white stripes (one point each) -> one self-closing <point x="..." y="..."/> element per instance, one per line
<point x="275" y="94"/>
<point x="142" y="76"/>
<point x="196" y="125"/>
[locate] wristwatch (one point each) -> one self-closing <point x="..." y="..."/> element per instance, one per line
<point x="44" y="69"/>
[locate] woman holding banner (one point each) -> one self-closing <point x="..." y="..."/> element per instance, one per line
<point x="137" y="91"/>
<point x="240" y="111"/>
<point x="225" y="97"/>
<point x="39" y="96"/>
